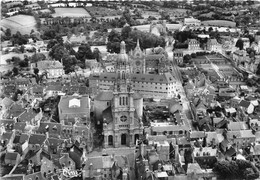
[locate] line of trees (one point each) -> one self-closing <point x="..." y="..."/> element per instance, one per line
<point x="130" y="36"/>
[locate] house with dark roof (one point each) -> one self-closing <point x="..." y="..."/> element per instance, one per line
<point x="104" y="166"/>
<point x="35" y="176"/>
<point x="30" y="117"/>
<point x="53" y="129"/>
<point x="13" y="177"/>
<point x="53" y="90"/>
<point x="12" y="158"/>
<point x="7" y="124"/>
<point x="36" y="141"/>
<point x="54" y="69"/>
<point x="246" y="106"/>
<point x="15" y="110"/>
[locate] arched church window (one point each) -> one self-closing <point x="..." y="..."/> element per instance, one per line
<point x="126" y="101"/>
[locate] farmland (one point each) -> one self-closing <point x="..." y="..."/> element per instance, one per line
<point x="219" y="23"/>
<point x="22" y="23"/>
<point x="71" y="12"/>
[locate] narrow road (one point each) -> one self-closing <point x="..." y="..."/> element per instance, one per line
<point x="185" y="102"/>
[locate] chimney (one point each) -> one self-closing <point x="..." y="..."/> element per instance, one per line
<point x="91" y="170"/>
<point x="159" y="167"/>
<point x="113" y="157"/>
<point x="47" y="135"/>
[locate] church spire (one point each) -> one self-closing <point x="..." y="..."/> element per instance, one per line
<point x="122" y="47"/>
<point x="138" y="45"/>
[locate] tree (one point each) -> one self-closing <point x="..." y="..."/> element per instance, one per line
<point x="126" y="32"/>
<point x="19" y="39"/>
<point x="8" y="32"/>
<point x="239" y="169"/>
<point x="58" y="52"/>
<point x="193" y="55"/>
<point x="22" y="48"/>
<point x="187" y="59"/>
<point x="258" y="69"/>
<point x="15" y="71"/>
<point x="97" y="55"/>
<point x="84" y="52"/>
<point x="69" y="63"/>
<point x="37" y="57"/>
<point x="240" y="44"/>
<point x="36" y="71"/>
<point x="23" y="63"/>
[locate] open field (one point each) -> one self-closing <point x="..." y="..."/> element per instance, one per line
<point x="103" y="12"/>
<point x="22" y="23"/>
<point x="219" y="23"/>
<point x="71" y="12"/>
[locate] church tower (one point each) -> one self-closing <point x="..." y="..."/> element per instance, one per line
<point x="138" y="60"/>
<point x="123" y="101"/>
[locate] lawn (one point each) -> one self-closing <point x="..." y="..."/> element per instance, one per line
<point x="71" y="12"/>
<point x="219" y="23"/>
<point x="22" y="23"/>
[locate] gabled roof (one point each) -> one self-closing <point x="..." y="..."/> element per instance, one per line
<point x="27" y="116"/>
<point x="54" y="129"/>
<point x="7" y="136"/>
<point x="104" y="96"/>
<point x="65" y="102"/>
<point x="20" y="126"/>
<point x="34" y="175"/>
<point x="54" y="88"/>
<point x="11" y="155"/>
<point x="37" y="139"/>
<point x="7" y="123"/>
<point x="7" y="102"/>
<point x="244" y="103"/>
<point x="13" y="177"/>
<point x="24" y="137"/>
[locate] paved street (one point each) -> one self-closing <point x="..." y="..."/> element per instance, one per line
<point x="185" y="101"/>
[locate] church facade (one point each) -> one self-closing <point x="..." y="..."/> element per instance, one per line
<point x="120" y="110"/>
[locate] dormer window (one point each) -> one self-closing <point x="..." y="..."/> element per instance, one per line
<point x="54" y="128"/>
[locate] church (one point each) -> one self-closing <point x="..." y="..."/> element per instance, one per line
<point x="151" y="74"/>
<point x="151" y="61"/>
<point x="121" y="109"/>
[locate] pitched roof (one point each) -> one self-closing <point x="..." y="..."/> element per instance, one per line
<point x="66" y="101"/>
<point x="7" y="102"/>
<point x="24" y="137"/>
<point x="34" y="175"/>
<point x="107" y="114"/>
<point x="235" y="126"/>
<point x="27" y="116"/>
<point x="244" y="103"/>
<point x="104" y="96"/>
<point x="43" y="65"/>
<point x="37" y="139"/>
<point x="54" y="88"/>
<point x="206" y="151"/>
<point x="54" y="129"/>
<point x="19" y="126"/>
<point x="7" y="123"/>
<point x="13" y="177"/>
<point x="11" y="155"/>
<point x="6" y="135"/>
